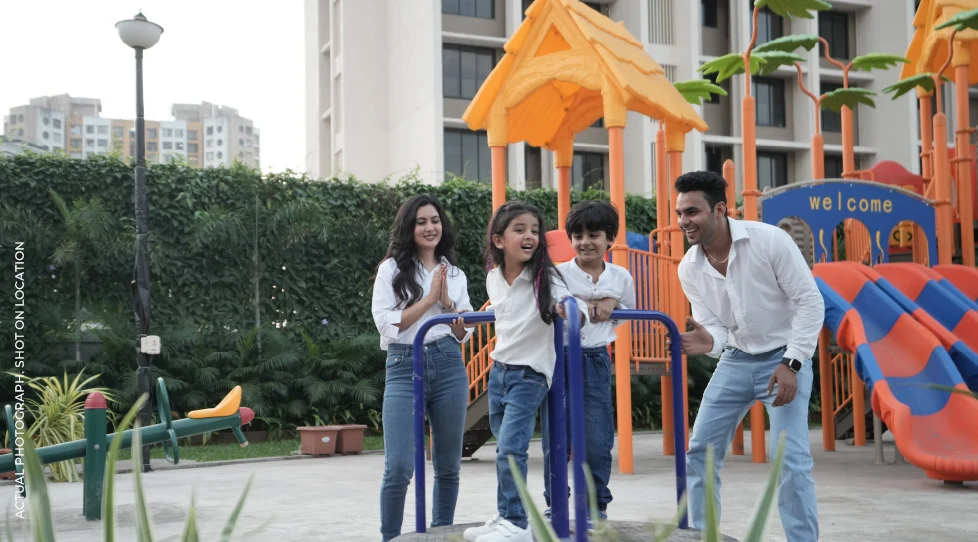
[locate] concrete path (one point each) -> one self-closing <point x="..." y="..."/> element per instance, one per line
<point x="336" y="498"/>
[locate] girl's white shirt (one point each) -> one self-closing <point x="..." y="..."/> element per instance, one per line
<point x="387" y="311"/>
<point x="522" y="338"/>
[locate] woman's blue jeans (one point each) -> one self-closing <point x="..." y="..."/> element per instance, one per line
<point x="446" y="399"/>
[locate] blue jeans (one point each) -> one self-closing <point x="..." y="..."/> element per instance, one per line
<point x="515" y="393"/>
<point x="599" y="422"/>
<point x="739" y="380"/>
<point x="446" y="399"/>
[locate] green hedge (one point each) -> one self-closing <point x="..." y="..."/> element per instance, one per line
<point x="312" y="280"/>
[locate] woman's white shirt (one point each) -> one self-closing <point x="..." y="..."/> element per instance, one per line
<point x="387" y="311"/>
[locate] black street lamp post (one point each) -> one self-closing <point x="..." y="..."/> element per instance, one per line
<point x="141" y="34"/>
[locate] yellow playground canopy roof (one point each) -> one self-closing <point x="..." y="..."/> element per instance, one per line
<point x="565" y="67"/>
<point x="928" y="49"/>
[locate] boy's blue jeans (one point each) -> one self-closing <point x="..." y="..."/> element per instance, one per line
<point x="739" y="380"/>
<point x="446" y="392"/>
<point x="515" y="393"/>
<point x="599" y="423"/>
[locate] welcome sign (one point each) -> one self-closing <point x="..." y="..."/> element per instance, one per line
<point x="826" y="203"/>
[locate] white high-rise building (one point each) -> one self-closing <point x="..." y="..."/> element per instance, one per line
<point x="384" y="102"/>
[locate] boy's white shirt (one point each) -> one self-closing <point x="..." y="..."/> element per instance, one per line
<point x="614" y="282"/>
<point x="522" y="338"/>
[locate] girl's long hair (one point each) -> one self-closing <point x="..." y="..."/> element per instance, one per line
<point x="541" y="268"/>
<point x="402" y="249"/>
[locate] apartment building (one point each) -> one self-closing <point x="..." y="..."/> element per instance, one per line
<point x="387" y="83"/>
<point x="202" y="135"/>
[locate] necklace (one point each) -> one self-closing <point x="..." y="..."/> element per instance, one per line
<point x="718" y="262"/>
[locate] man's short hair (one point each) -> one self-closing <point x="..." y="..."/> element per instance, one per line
<point x="713" y="186"/>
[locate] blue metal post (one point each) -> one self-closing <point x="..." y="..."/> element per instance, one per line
<point x="577" y="416"/>
<point x="559" y="513"/>
<point x="419" y="404"/>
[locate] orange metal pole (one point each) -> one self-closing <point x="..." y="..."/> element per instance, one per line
<point x="498" y="177"/>
<point x="942" y="190"/>
<point x="676" y="168"/>
<point x="818" y="156"/>
<point x="619" y="256"/>
<point x="665" y="212"/>
<point x="848" y="147"/>
<point x="926" y="139"/>
<point x="564" y="160"/>
<point x="825" y="384"/>
<point x="749" y="129"/>
<point x="962" y="156"/>
<point x="730" y="175"/>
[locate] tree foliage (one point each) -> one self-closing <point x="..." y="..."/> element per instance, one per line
<point x="848" y="97"/>
<point x="803" y="9"/>
<point x="695" y="91"/>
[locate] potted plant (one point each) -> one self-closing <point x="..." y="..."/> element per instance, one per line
<point x="318" y="440"/>
<point x="350" y="439"/>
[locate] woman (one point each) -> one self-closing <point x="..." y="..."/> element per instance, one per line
<point x="416" y="280"/>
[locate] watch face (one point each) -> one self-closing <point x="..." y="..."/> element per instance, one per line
<point x="795" y="365"/>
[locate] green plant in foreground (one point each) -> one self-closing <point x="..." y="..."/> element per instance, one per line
<point x="41" y="522"/>
<point x="660" y="532"/>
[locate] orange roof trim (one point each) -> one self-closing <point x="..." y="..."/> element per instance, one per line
<point x="561" y="66"/>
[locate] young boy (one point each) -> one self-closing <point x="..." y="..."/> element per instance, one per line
<point x="592" y="227"/>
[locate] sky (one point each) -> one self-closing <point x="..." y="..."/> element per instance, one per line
<point x="246" y="54"/>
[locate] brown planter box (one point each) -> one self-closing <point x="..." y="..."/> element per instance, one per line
<point x="7" y="475"/>
<point x="318" y="440"/>
<point x="350" y="440"/>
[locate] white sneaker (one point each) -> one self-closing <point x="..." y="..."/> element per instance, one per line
<point x="504" y="531"/>
<point x="472" y="533"/>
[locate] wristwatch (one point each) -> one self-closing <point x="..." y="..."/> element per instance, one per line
<point x="792" y="364"/>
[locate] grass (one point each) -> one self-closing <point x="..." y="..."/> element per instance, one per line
<point x="227" y="452"/>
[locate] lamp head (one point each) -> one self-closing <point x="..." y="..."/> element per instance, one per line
<point x="139" y="32"/>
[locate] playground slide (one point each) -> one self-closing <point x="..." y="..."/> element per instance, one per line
<point x="962" y="277"/>
<point x="897" y="357"/>
<point x="930" y="302"/>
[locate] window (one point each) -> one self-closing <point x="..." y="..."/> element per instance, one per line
<point x="769" y="95"/>
<point x="714" y="159"/>
<point x="152" y="147"/>
<point x="118" y="131"/>
<point x="831" y="120"/>
<point x="45" y="121"/>
<point x="534" y="169"/>
<point x="178" y="145"/>
<point x="89" y="129"/>
<point x="708" y="9"/>
<point x="834" y="27"/>
<point x="76" y="129"/>
<point x="167" y="132"/>
<point x="210" y="130"/>
<point x="178" y="133"/>
<point x="89" y="142"/>
<point x="210" y="143"/>
<point x="464" y="69"/>
<point x="769" y="25"/>
<point x="587" y="171"/>
<point x="833" y="167"/>
<point x="248" y="130"/>
<point x="151" y="133"/>
<point x="56" y="123"/>
<point x="103" y="143"/>
<point x="103" y="129"/>
<point x="484" y="9"/>
<point x="45" y="135"/>
<point x="192" y="148"/>
<point x="191" y="135"/>
<point x="714" y="98"/>
<point x="772" y="169"/>
<point x="168" y="145"/>
<point x="76" y="142"/>
<point x="467" y="155"/>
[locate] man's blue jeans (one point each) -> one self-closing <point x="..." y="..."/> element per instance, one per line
<point x="446" y="399"/>
<point x="599" y="422"/>
<point x="739" y="380"/>
<point x="515" y="393"/>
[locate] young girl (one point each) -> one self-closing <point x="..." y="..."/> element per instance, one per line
<point x="524" y="290"/>
<point x="417" y="280"/>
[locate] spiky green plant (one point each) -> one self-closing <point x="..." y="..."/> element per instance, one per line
<point x="695" y="91"/>
<point x="660" y="532"/>
<point x="41" y="522"/>
<point x="966" y="20"/>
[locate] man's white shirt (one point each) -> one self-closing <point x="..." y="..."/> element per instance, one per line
<point x="768" y="299"/>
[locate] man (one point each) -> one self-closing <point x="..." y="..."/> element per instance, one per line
<point x="756" y="307"/>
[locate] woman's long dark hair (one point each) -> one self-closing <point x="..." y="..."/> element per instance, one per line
<point x="402" y="249"/>
<point x="540" y="265"/>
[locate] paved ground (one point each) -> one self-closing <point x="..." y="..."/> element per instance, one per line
<point x="336" y="498"/>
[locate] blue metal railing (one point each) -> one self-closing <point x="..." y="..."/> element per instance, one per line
<point x="557" y="418"/>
